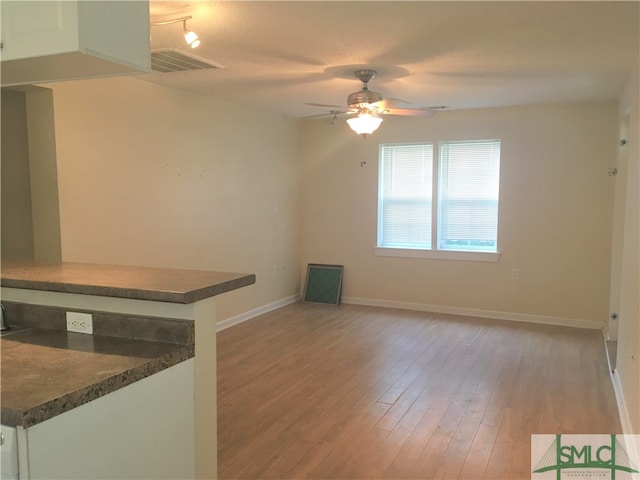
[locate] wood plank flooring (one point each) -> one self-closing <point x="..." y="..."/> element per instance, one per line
<point x="354" y="392"/>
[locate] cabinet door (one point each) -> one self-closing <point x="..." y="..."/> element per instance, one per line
<point x="9" y="449"/>
<point x="34" y="29"/>
<point x="145" y="430"/>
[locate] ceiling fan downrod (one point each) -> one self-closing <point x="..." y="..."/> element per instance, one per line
<point x="365" y="76"/>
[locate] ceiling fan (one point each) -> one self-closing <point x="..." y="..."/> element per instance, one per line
<point x="368" y="106"/>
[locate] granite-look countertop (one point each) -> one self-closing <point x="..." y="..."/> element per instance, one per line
<point x="142" y="283"/>
<point x="48" y="372"/>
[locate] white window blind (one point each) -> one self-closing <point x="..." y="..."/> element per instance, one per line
<point x="468" y="188"/>
<point x="405" y="196"/>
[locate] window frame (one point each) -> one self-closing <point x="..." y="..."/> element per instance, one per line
<point x="433" y="252"/>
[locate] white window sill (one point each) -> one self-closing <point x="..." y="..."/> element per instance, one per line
<point x="437" y="254"/>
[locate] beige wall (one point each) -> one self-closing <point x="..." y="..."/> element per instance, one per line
<point x="627" y="365"/>
<point x="17" y="227"/>
<point x="150" y="175"/>
<point x="554" y="221"/>
<point x="30" y="215"/>
<point x="44" y="174"/>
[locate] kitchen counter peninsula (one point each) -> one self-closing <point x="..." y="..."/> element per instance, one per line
<point x="119" y="281"/>
<point x="48" y="372"/>
<point x="116" y="296"/>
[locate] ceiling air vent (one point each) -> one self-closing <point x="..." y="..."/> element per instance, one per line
<point x="173" y="60"/>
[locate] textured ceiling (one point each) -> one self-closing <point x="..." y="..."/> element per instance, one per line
<point x="281" y="55"/>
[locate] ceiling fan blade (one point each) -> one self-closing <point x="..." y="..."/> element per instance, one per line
<point x="388" y="103"/>
<point x="328" y="114"/>
<point x="411" y="112"/>
<point x="325" y="105"/>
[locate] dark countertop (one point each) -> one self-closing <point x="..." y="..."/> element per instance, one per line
<point x="142" y="283"/>
<point x="48" y="372"/>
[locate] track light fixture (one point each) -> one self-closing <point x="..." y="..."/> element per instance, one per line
<point x="189" y="36"/>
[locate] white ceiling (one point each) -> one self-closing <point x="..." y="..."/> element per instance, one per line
<point x="280" y="55"/>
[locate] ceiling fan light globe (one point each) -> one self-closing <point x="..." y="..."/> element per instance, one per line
<point x="364" y="124"/>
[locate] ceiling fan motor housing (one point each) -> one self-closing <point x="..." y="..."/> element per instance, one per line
<point x="363" y="98"/>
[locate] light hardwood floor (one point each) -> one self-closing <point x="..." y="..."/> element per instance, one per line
<point x="353" y="392"/>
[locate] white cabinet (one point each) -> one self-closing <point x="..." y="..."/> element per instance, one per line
<point x="143" y="431"/>
<point x="45" y="41"/>
<point x="9" y="448"/>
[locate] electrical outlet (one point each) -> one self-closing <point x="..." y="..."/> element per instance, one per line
<point x="79" y="322"/>
<point x="279" y="269"/>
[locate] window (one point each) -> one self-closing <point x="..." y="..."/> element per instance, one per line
<point x="460" y="192"/>
<point x="406" y="186"/>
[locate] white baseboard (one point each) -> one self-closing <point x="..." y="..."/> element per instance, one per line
<point x="606" y="351"/>
<point x="472" y="312"/>
<point x="243" y="317"/>
<point x="623" y="414"/>
<point x="622" y="405"/>
<point x="422" y="307"/>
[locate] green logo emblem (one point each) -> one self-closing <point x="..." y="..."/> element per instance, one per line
<point x="608" y="456"/>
